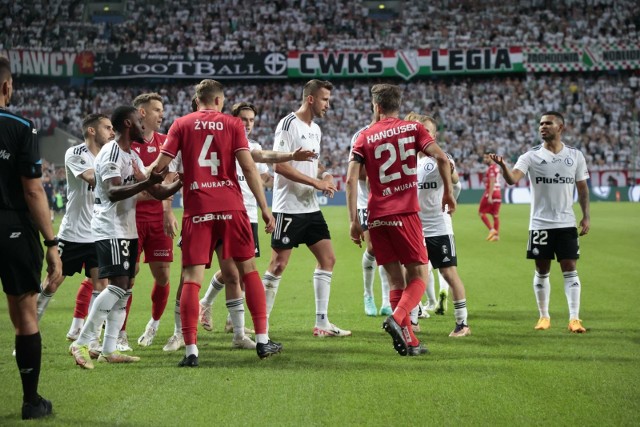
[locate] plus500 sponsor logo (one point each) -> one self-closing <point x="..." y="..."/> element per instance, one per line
<point x="211" y="217"/>
<point x="555" y="180"/>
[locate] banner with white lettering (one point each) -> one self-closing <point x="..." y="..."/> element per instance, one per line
<point x="113" y="66"/>
<point x="50" y="64"/>
<point x="595" y="57"/>
<point x="404" y="63"/>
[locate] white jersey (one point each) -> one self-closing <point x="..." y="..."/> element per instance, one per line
<point x="552" y="179"/>
<point x="175" y="166"/>
<point x="435" y="222"/>
<point x="114" y="220"/>
<point x="76" y="223"/>
<point x="250" y="202"/>
<point x="363" y="188"/>
<point x="290" y="196"/>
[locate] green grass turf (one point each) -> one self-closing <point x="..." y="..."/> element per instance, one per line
<point x="504" y="374"/>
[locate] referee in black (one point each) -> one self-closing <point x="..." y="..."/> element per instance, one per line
<point x="24" y="212"/>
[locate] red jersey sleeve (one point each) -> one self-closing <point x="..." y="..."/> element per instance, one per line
<point x="424" y="138"/>
<point x="172" y="145"/>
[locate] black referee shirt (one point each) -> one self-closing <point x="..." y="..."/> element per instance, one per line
<point x="19" y="156"/>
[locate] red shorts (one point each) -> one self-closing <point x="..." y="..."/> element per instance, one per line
<point x="490" y="208"/>
<point x="398" y="238"/>
<point x="201" y="234"/>
<point x="157" y="246"/>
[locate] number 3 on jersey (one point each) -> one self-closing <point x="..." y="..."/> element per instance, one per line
<point x="209" y="160"/>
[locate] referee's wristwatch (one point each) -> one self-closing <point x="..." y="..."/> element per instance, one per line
<point x="52" y="242"/>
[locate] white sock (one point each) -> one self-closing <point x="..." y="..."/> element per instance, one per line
<point x="322" y="289"/>
<point x="572" y="288"/>
<point x="43" y="301"/>
<point x="154" y="323"/>
<point x="384" y="284"/>
<point x="262" y="338"/>
<point x="542" y="291"/>
<point x="115" y="320"/>
<point x="270" y="283"/>
<point x="98" y="331"/>
<point x="191" y="349"/>
<point x="442" y="284"/>
<point x="76" y="323"/>
<point x="212" y="292"/>
<point x="99" y="312"/>
<point x="236" y="312"/>
<point x="431" y="288"/>
<point x="460" y="311"/>
<point x="177" y="329"/>
<point x="413" y="315"/>
<point x="368" y="269"/>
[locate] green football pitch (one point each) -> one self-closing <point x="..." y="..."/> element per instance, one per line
<point x="504" y="374"/>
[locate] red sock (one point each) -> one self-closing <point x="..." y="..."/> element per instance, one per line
<point x="159" y="297"/>
<point x="496" y="223"/>
<point x="406" y="324"/>
<point x="256" y="301"/>
<point x="189" y="311"/>
<point x="394" y="298"/>
<point x="486" y="221"/>
<point x="411" y="296"/>
<point x="127" y="309"/>
<point x="83" y="299"/>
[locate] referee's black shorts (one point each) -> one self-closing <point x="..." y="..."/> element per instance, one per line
<point x="21" y="253"/>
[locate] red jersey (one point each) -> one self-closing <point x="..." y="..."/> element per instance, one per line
<point x="493" y="171"/>
<point x="149" y="210"/>
<point x="208" y="141"/>
<point x="389" y="149"/>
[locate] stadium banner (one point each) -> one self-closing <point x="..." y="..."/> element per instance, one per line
<point x="113" y="66"/>
<point x="404" y="63"/>
<point x="50" y="64"/>
<point x="596" y="57"/>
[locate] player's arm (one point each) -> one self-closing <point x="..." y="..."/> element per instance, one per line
<point x="269" y="156"/>
<point x="168" y="218"/>
<point x="89" y="176"/>
<point x="267" y="180"/>
<point x="444" y="168"/>
<point x="254" y="182"/>
<point x="116" y="191"/>
<point x="583" y="200"/>
<point x="353" y="175"/>
<point x="324" y="184"/>
<point x="510" y="176"/>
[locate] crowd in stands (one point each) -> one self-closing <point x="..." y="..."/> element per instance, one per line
<point x="234" y="26"/>
<point x="474" y="114"/>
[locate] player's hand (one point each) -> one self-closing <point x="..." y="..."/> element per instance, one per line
<point x="54" y="265"/>
<point x="327" y="186"/>
<point x="170" y="224"/>
<point x="137" y="173"/>
<point x="269" y="221"/>
<point x="301" y="155"/>
<point x="356" y="234"/>
<point x="585" y="226"/>
<point x="448" y="203"/>
<point x="156" y="177"/>
<point x="497" y="159"/>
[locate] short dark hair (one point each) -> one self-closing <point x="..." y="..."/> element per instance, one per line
<point x="5" y="68"/>
<point x="554" y="113"/>
<point x="313" y="86"/>
<point x="387" y="96"/>
<point x="91" y="121"/>
<point x="146" y="98"/>
<point x="235" y="110"/>
<point x="119" y="115"/>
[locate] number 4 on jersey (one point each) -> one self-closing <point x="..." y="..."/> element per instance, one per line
<point x="212" y="160"/>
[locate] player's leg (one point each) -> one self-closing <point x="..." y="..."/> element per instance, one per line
<point x="176" y="341"/>
<point x="540" y="249"/>
<point x="568" y="251"/>
<point x="450" y="274"/>
<point x="385" y="288"/>
<point x="49" y="288"/>
<point x="90" y="286"/>
<point x="189" y="310"/>
<point x="215" y="286"/>
<point x="368" y="267"/>
<point x="273" y="275"/>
